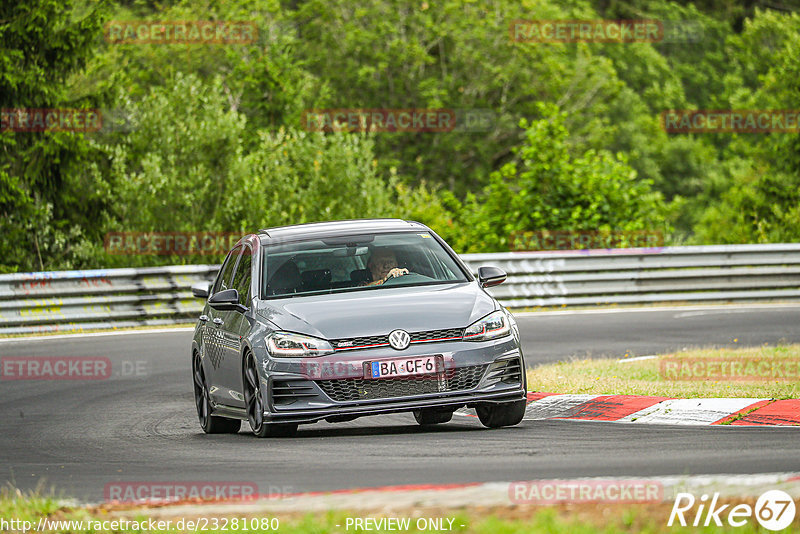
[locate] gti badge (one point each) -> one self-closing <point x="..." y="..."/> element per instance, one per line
<point x="399" y="339"/>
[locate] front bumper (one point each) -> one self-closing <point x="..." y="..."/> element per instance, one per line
<point x="478" y="373"/>
<point x="384" y="407"/>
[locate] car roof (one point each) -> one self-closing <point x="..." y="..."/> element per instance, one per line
<point x="336" y="228"/>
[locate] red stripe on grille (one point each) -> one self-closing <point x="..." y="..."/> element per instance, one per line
<point x="360" y="346"/>
<point x="435" y="339"/>
<point x="386" y="344"/>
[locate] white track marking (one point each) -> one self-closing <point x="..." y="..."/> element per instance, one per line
<point x="706" y="312"/>
<point x="689" y="411"/>
<point x="555" y="406"/>
<point x="743" y="307"/>
<point x="637" y="358"/>
<point x="143" y="331"/>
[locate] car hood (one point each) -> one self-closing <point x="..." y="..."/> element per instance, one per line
<point x="379" y="311"/>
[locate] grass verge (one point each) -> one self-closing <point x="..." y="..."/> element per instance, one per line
<point x="649" y="376"/>
<point x="577" y="518"/>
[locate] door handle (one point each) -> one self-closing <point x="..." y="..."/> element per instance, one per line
<point x="217" y="321"/>
<point x="203" y="318"/>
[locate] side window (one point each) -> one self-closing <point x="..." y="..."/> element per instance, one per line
<point x="241" y="280"/>
<point x="224" y="278"/>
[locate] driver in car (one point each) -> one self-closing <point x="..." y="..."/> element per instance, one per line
<point x="383" y="265"/>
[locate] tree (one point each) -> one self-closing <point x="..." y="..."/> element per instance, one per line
<point x="48" y="205"/>
<point x="189" y="163"/>
<point x="762" y="201"/>
<point x="547" y="188"/>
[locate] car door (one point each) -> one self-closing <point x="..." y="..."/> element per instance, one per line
<point x="215" y="343"/>
<point x="236" y="326"/>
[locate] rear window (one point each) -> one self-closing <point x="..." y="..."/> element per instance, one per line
<point x="355" y="263"/>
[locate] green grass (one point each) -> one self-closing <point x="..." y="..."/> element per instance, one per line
<point x="644" y="377"/>
<point x="26" y="506"/>
<point x="586" y="518"/>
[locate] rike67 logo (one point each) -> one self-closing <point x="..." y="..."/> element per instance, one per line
<point x="774" y="510"/>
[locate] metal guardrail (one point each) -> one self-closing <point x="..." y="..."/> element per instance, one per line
<point x="719" y="273"/>
<point x="98" y="299"/>
<point x="116" y="298"/>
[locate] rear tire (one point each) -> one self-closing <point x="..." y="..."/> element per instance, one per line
<point x="432" y="416"/>
<point x="504" y="414"/>
<point x="210" y="424"/>
<point x="255" y="405"/>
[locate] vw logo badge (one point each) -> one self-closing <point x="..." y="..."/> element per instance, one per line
<point x="399" y="339"/>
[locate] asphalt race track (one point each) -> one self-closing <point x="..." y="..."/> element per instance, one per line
<point x="555" y="336"/>
<point x="140" y="425"/>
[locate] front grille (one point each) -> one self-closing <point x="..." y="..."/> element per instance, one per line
<point x="427" y="336"/>
<point x="353" y="389"/>
<point x="434" y="335"/>
<point x="289" y="391"/>
<point x="359" y="342"/>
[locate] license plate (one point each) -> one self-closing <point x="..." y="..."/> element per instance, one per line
<point x="415" y="365"/>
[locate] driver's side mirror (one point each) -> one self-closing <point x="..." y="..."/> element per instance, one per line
<point x="201" y="289"/>
<point x="227" y="300"/>
<point x="491" y="276"/>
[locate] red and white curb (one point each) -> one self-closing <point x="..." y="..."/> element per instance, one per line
<point x="488" y="494"/>
<point x="662" y="410"/>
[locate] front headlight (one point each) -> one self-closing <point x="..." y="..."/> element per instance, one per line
<point x="289" y="345"/>
<point x="492" y="326"/>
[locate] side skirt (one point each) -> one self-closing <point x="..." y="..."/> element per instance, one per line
<point x="231" y="412"/>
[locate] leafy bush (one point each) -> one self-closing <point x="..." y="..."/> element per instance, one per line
<point x="548" y="188"/>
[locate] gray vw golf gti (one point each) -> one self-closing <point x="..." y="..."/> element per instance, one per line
<point x="343" y="319"/>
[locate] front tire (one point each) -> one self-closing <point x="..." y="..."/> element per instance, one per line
<point x="503" y="414"/>
<point x="255" y="405"/>
<point x="209" y="423"/>
<point x="432" y="416"/>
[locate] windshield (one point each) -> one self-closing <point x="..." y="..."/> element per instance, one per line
<point x="354" y="263"/>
